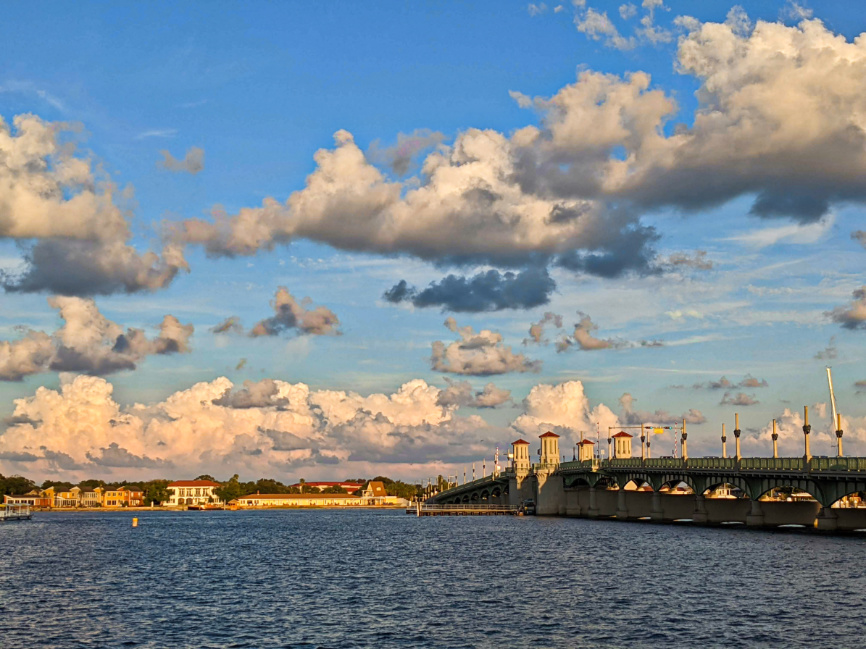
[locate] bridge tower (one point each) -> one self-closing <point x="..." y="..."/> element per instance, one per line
<point x="585" y="450"/>
<point x="550" y="449"/>
<point x="520" y="453"/>
<point x="622" y="445"/>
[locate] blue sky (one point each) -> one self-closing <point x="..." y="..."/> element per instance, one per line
<point x="261" y="87"/>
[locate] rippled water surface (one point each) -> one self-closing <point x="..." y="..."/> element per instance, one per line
<point x="385" y="579"/>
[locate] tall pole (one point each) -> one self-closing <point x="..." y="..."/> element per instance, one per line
<point x="724" y="443"/>
<point x="806" y="430"/>
<point x="642" y="445"/>
<point x="838" y="435"/>
<point x="737" y="433"/>
<point x="685" y="437"/>
<point x="775" y="440"/>
<point x="648" y="438"/>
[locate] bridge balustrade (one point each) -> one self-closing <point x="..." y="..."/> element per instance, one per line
<point x="771" y="464"/>
<point x="728" y="463"/>
<point x="663" y="463"/>
<point x="838" y="464"/>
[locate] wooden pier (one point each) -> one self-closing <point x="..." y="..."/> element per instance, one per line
<point x="15" y="513"/>
<point x="429" y="509"/>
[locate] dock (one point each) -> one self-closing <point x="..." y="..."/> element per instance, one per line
<point x="462" y="509"/>
<point x="15" y="513"/>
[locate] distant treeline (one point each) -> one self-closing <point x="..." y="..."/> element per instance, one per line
<point x="155" y="490"/>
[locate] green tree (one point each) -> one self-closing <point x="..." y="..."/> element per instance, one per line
<point x="336" y="489"/>
<point x="58" y="485"/>
<point x="15" y="485"/>
<point x="229" y="490"/>
<point x="205" y="476"/>
<point x="156" y="492"/>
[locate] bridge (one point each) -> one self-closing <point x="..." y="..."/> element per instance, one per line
<point x="757" y="491"/>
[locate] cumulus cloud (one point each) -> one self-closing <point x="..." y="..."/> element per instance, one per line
<point x="724" y="383"/>
<point x="829" y="352"/>
<point x="478" y="354"/>
<point x="53" y="196"/>
<point x="697" y="261"/>
<point x="486" y="291"/>
<point x="461" y="394"/>
<point x="192" y="162"/>
<point x="289" y="315"/>
<point x="536" y="329"/>
<point x="88" y="342"/>
<point x="258" y="429"/>
<point x="564" y="409"/>
<point x="634" y="417"/>
<point x="583" y="338"/>
<point x="464" y="208"/>
<point x="401" y="156"/>
<point x="536" y="9"/>
<point x="852" y="315"/>
<point x="739" y="399"/>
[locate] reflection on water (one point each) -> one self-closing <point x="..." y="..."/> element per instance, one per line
<point x="385" y="579"/>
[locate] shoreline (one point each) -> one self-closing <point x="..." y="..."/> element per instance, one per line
<point x="84" y="510"/>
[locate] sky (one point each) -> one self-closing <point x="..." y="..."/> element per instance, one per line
<point x="332" y="240"/>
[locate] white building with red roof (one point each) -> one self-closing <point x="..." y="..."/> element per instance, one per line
<point x="520" y="456"/>
<point x="585" y="450"/>
<point x="549" y="449"/>
<point x="622" y="445"/>
<point x="349" y="487"/>
<point x="192" y="492"/>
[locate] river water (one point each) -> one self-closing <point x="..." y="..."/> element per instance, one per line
<point x="384" y="579"/>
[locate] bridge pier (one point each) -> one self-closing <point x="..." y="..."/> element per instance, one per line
<point x="593" y="504"/>
<point x="621" y="507"/>
<point x="827" y="520"/>
<point x="657" y="513"/>
<point x="700" y="514"/>
<point x="755" y="518"/>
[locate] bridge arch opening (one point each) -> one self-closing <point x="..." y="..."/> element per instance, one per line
<point x="787" y="493"/>
<point x="475" y="498"/>
<point x="465" y="499"/>
<point x="577" y="482"/>
<point x="678" y="487"/>
<point x="726" y="490"/>
<point x="851" y="500"/>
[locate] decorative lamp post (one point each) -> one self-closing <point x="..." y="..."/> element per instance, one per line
<point x="737" y="433"/>
<point x="838" y="435"/>
<point x="775" y="440"/>
<point x="685" y="437"/>
<point x="724" y="443"/>
<point x="806" y="430"/>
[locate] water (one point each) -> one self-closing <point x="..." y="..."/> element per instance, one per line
<point x="384" y="579"/>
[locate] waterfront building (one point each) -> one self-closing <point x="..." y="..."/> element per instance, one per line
<point x="126" y="496"/>
<point x="298" y="500"/>
<point x="622" y="445"/>
<point x="68" y="498"/>
<point x="350" y="487"/>
<point x="89" y="496"/>
<point x="37" y="498"/>
<point x="192" y="492"/>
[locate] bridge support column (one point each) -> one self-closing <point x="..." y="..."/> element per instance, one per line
<point x="657" y="513"/>
<point x="700" y="514"/>
<point x="755" y="518"/>
<point x="827" y="520"/>
<point x="621" y="508"/>
<point x="593" y="503"/>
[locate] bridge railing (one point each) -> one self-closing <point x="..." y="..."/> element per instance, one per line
<point x="771" y="464"/>
<point x="728" y="463"/>
<point x="838" y="464"/>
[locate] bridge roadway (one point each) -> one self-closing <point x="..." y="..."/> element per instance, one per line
<point x="616" y="488"/>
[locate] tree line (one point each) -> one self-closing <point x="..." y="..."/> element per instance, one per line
<point x="156" y="492"/>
